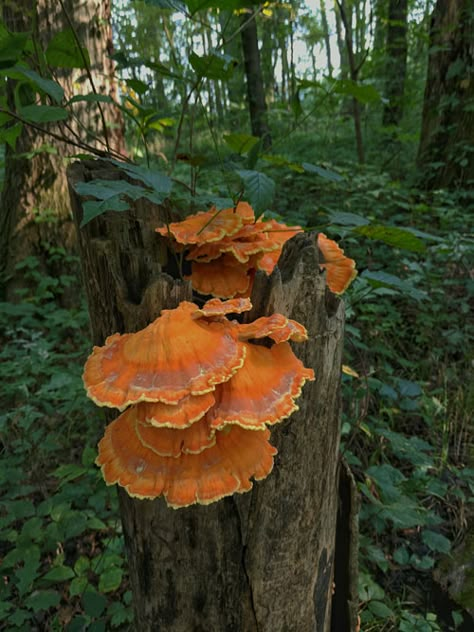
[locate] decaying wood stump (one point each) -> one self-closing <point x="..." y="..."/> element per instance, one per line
<point x="261" y="561"/>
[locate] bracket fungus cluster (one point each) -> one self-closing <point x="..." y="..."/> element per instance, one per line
<point x="197" y="397"/>
<point x="227" y="247"/>
<point x="197" y="390"/>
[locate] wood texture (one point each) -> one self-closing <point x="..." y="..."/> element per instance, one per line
<point x="257" y="562"/>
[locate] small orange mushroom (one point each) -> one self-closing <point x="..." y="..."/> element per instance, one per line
<point x="263" y="391"/>
<point x="216" y="472"/>
<point x="340" y="270"/>
<point x="215" y="307"/>
<point x="173" y="357"/>
<point x="221" y="278"/>
<point x="180" y="415"/>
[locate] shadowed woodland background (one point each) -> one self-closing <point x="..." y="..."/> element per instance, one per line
<point x="354" y="118"/>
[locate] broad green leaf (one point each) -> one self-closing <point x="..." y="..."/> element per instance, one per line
<point x="152" y="178"/>
<point x="392" y="235"/>
<point x="94" y="604"/>
<point x="110" y="579"/>
<point x="241" y="143"/>
<point x="259" y="189"/>
<point x="63" y="51"/>
<point x="42" y="600"/>
<point x="380" y="610"/>
<point x="82" y="565"/>
<point x="140" y="87"/>
<point x="19" y="617"/>
<point x="43" y="113"/>
<point x="59" y="574"/>
<point x="342" y="218"/>
<point x="29" y="572"/>
<point x="94" y="209"/>
<point x="384" y="279"/>
<point x="365" y="93"/>
<point x="12" y="45"/>
<point x="401" y="556"/>
<point x="9" y="135"/>
<point x="78" y="586"/>
<point x="213" y="66"/>
<point x="49" y="87"/>
<point x="327" y="174"/>
<point x="280" y="161"/>
<point x="436" y="541"/>
<point x="91" y="98"/>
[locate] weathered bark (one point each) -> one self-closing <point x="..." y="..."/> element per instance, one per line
<point x="396" y="61"/>
<point x="255" y="87"/>
<point x="262" y="561"/>
<point x="447" y="134"/>
<point x="35" y="213"/>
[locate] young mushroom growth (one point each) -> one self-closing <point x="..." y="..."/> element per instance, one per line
<point x="197" y="397"/>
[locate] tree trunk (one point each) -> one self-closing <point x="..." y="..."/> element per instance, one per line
<point x="447" y="134"/>
<point x="327" y="40"/>
<point x="396" y="61"/>
<point x="35" y="215"/>
<point x="255" y="88"/>
<point x="263" y="561"/>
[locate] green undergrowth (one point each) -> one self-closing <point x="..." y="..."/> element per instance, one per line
<point x="60" y="538"/>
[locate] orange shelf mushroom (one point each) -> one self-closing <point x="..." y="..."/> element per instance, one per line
<point x="340" y="270"/>
<point x="224" y="259"/>
<point x="200" y="396"/>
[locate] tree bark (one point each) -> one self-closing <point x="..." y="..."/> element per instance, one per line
<point x="327" y="40"/>
<point x="35" y="214"/>
<point x="447" y="134"/>
<point x="262" y="561"/>
<point x="255" y="87"/>
<point x="396" y="61"/>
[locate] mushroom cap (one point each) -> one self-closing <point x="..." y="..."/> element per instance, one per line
<point x="215" y="307"/>
<point x="276" y="327"/>
<point x="340" y="270"/>
<point x="221" y="277"/>
<point x="263" y="391"/>
<point x="173" y="357"/>
<point x="209" y="226"/>
<point x="180" y="415"/>
<point x="216" y="472"/>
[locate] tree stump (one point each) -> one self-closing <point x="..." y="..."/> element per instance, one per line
<point x="263" y="561"/>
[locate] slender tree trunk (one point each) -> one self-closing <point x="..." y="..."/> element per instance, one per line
<point x="35" y="215"/>
<point x="327" y="41"/>
<point x="263" y="561"/>
<point x="341" y="46"/>
<point x="447" y="133"/>
<point x="255" y="87"/>
<point x="354" y="74"/>
<point x="396" y="61"/>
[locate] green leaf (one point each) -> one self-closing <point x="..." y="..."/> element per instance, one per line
<point x="384" y="279"/>
<point x="280" y="161"/>
<point x="241" y="143"/>
<point x="43" y="113"/>
<point x="213" y="66"/>
<point x="259" y="189"/>
<point x="436" y="541"/>
<point x="93" y="603"/>
<point x="94" y="209"/>
<point x="59" y="574"/>
<point x="380" y="610"/>
<point x="29" y="572"/>
<point x="397" y="237"/>
<point x="78" y="586"/>
<point x="12" y="45"/>
<point x="110" y="579"/>
<point x="140" y="87"/>
<point x="327" y="174"/>
<point x="49" y="87"/>
<point x="401" y="556"/>
<point x="10" y="135"/>
<point x="42" y="600"/>
<point x="19" y="617"/>
<point x="365" y="93"/>
<point x="63" y="51"/>
<point x="341" y="218"/>
<point x="152" y="178"/>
